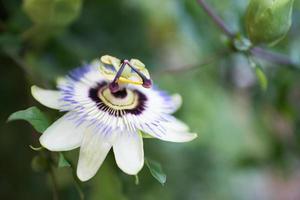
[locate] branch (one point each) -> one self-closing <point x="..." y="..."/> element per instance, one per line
<point x="55" y="187"/>
<point x="273" y="57"/>
<point x="205" y="62"/>
<point x="218" y="21"/>
<point x="76" y="180"/>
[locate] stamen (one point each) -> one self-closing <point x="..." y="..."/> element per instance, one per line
<point x="114" y="86"/>
<point x="147" y="83"/>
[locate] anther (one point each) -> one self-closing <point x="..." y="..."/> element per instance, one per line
<point x="147" y="83"/>
<point x="114" y="86"/>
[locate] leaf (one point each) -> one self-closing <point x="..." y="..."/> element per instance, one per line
<point x="136" y="179"/>
<point x="32" y="115"/>
<point x="262" y="78"/>
<point x="156" y="171"/>
<point x="263" y="81"/>
<point x="62" y="162"/>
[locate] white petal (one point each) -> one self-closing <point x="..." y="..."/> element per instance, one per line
<point x="172" y="131"/>
<point x="129" y="152"/>
<point x="93" y="151"/>
<point x="62" y="135"/>
<point x="49" y="98"/>
<point x="177" y="102"/>
<point x="173" y="136"/>
<point x="176" y="124"/>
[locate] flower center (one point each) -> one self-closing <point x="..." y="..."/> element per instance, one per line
<point x="123" y="99"/>
<point x="119" y="103"/>
<point x="120" y="94"/>
<point x="114" y="86"/>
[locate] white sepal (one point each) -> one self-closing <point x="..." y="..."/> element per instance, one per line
<point x="49" y="98"/>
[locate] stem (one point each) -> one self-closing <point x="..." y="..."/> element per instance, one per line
<point x="205" y="62"/>
<point x="19" y="62"/>
<point x="76" y="180"/>
<point x="54" y="188"/>
<point x="218" y="21"/>
<point x="272" y="56"/>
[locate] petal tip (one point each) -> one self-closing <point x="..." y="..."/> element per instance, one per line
<point x="82" y="176"/>
<point x="177" y="101"/>
<point x="34" y="90"/>
<point x="193" y="136"/>
<point x="43" y="141"/>
<point x="132" y="171"/>
<point x="49" y="98"/>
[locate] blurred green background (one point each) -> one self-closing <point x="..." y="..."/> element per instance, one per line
<point x="248" y="143"/>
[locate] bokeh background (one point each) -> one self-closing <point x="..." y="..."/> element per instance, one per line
<point x="248" y="145"/>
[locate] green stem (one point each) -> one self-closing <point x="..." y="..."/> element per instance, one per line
<point x="206" y="61"/>
<point x="273" y="57"/>
<point x="54" y="182"/>
<point x="217" y="19"/>
<point x="77" y="182"/>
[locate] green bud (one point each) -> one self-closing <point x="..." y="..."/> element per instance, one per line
<point x="268" y="21"/>
<point x="52" y="12"/>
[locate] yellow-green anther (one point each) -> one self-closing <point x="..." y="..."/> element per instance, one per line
<point x="124" y="71"/>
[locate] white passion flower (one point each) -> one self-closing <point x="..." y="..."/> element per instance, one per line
<point x="108" y="104"/>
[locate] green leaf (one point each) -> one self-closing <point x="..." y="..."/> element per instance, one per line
<point x="62" y="162"/>
<point x="156" y="171"/>
<point x="32" y="115"/>
<point x="261" y="76"/>
<point x="136" y="179"/>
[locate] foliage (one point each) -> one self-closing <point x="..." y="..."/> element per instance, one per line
<point x="156" y="171"/>
<point x="32" y="115"/>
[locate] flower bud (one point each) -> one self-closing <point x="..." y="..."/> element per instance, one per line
<point x="52" y="12"/>
<point x="268" y="21"/>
